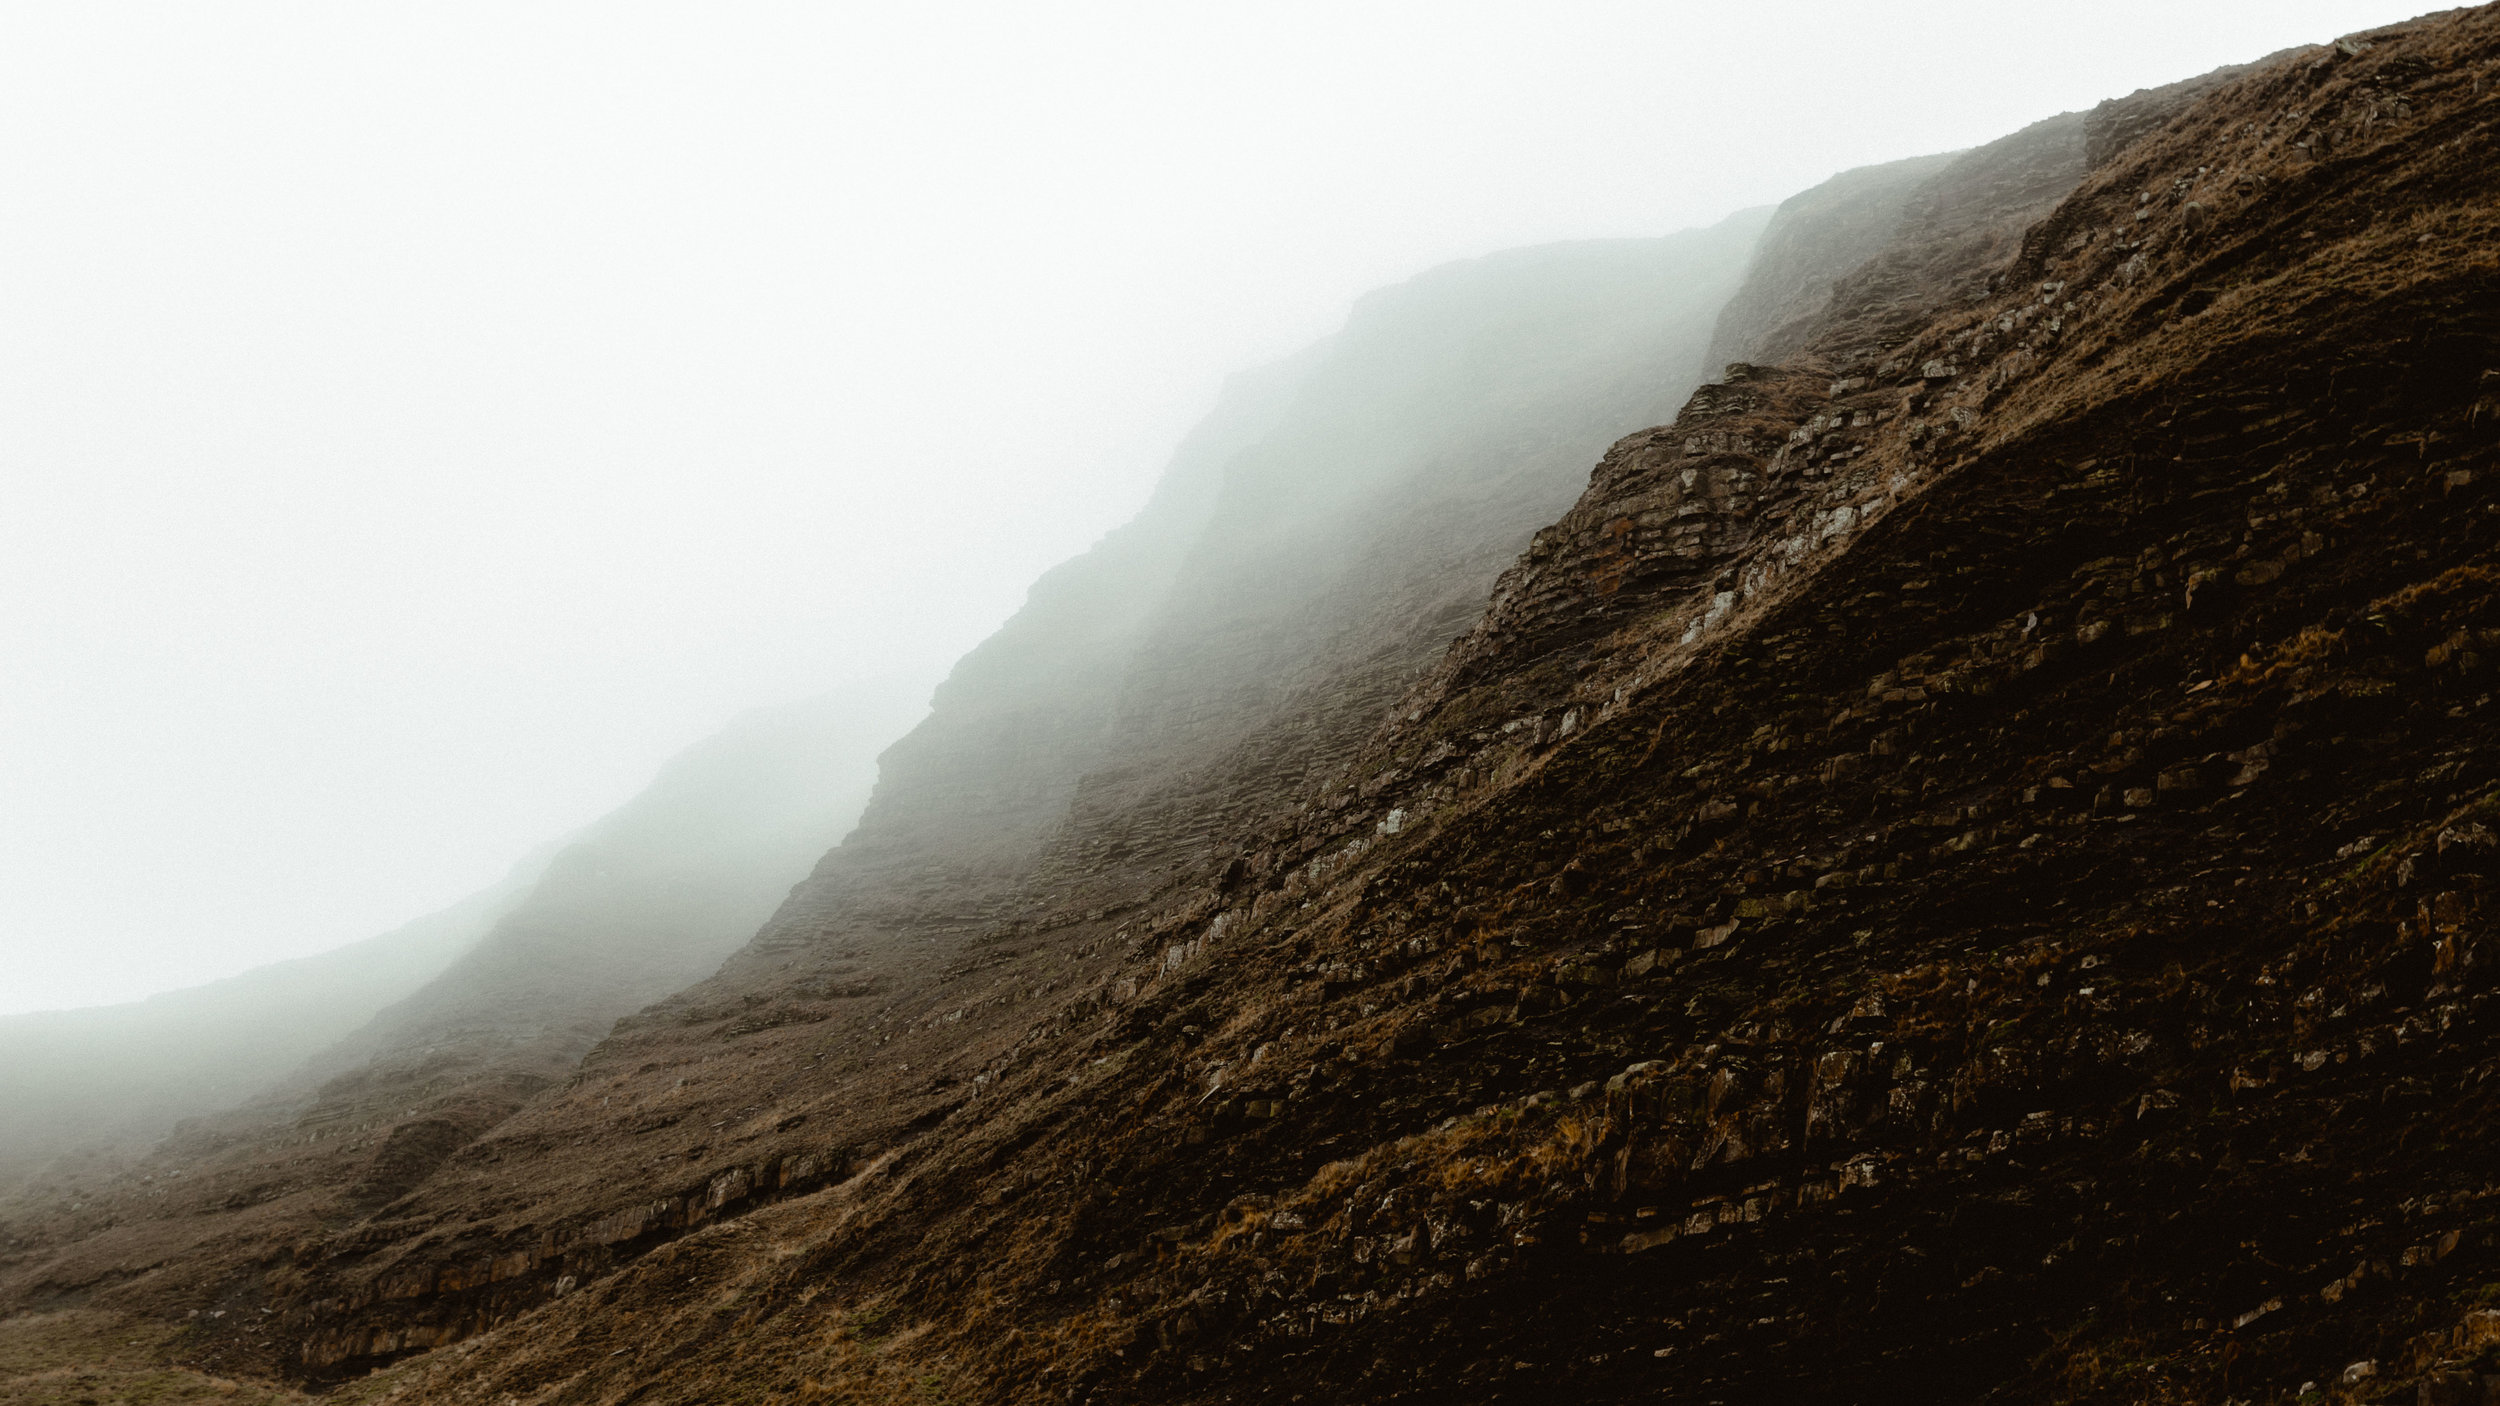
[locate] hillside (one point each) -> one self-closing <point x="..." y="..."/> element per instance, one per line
<point x="248" y="1111"/>
<point x="1476" y="393"/>
<point x="106" y="1082"/>
<point x="1953" y="868"/>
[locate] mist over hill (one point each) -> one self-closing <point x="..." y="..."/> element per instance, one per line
<point x="636" y="905"/>
<point x="110" y="1080"/>
<point x="1887" y="799"/>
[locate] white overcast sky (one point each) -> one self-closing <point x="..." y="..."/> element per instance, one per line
<point x="417" y="421"/>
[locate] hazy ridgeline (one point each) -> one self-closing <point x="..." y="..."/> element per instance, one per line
<point x="1313" y="544"/>
<point x="106" y="1079"/>
<point x="1903" y="862"/>
<point x="631" y="908"/>
<point x="1363" y="491"/>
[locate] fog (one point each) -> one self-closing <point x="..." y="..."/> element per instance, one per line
<point x="419" y="422"/>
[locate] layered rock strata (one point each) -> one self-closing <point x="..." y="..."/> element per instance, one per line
<point x="1057" y="793"/>
<point x="1954" y="869"/>
<point x="1957" y="869"/>
<point x="1271" y="597"/>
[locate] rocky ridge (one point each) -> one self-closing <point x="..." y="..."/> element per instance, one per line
<point x="1475" y="394"/>
<point x="1471" y="398"/>
<point x="1994" y="912"/>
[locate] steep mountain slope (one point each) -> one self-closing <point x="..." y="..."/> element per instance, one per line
<point x="108" y="1081"/>
<point x="1883" y="244"/>
<point x="1363" y="501"/>
<point x="1309" y="550"/>
<point x="1475" y="395"/>
<point x="1956" y="870"/>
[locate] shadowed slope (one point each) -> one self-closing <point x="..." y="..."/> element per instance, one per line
<point x="1098" y="756"/>
<point x="1957" y="871"/>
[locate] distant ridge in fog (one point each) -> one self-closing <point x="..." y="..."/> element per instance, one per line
<point x="643" y="901"/>
<point x="111" y="1076"/>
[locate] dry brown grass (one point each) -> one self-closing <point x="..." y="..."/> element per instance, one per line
<point x="84" y="1356"/>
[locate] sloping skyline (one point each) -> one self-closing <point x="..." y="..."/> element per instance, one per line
<point x="414" y="427"/>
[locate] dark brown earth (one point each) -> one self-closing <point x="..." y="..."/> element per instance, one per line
<point x="1959" y="869"/>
